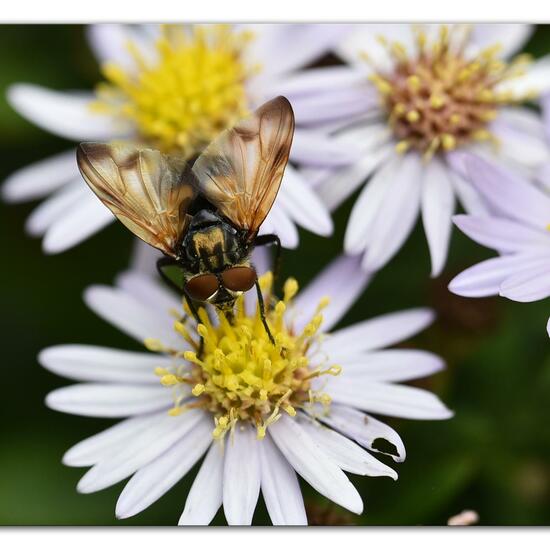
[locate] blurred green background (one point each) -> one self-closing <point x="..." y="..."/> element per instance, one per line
<point x="493" y="457"/>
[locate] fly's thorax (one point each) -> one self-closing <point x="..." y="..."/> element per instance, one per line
<point x="211" y="244"/>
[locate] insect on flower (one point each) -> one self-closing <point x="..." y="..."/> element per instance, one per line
<point x="203" y="216"/>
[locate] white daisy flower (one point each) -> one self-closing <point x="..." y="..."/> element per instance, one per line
<point x="260" y="413"/>
<point x="414" y="96"/>
<point x="175" y="88"/>
<point x="518" y="230"/>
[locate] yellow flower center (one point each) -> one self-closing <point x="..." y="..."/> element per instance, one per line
<point x="194" y="89"/>
<point x="241" y="375"/>
<point x="437" y="99"/>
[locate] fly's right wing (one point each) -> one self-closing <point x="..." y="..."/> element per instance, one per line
<point x="142" y="187"/>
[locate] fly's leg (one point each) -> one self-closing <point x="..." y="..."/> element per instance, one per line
<point x="165" y="262"/>
<point x="262" y="311"/>
<point x="267" y="240"/>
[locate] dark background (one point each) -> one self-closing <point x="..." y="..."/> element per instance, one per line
<point x="493" y="457"/>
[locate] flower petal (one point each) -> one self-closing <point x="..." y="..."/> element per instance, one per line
<point x="66" y="114"/>
<point x="392" y="365"/>
<point x="149" y="291"/>
<point x="54" y="207"/>
<point x="313" y="464"/>
<point x="280" y="487"/>
<point x="379" y="332"/>
<point x="468" y="195"/>
<point x="205" y="497"/>
<point x="103" y="444"/>
<point x="388" y="399"/>
<point x="438" y="206"/>
<point x="530" y="285"/>
<point x="509" y="36"/>
<point x="364" y="429"/>
<point x="40" y="178"/>
<point x="144" y="258"/>
<point x="278" y="221"/>
<point x="135" y="454"/>
<point x="536" y="79"/>
<point x="83" y="220"/>
<point x="156" y="478"/>
<point x="131" y="316"/>
<point x="501" y="234"/>
<point x="99" y="364"/>
<point x="109" y="400"/>
<point x="342" y="183"/>
<point x="329" y="283"/>
<point x="313" y="148"/>
<point x="303" y="205"/>
<point x="241" y="485"/>
<point x="396" y="216"/>
<point x="344" y="452"/>
<point x="485" y="278"/>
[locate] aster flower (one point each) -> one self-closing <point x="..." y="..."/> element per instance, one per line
<point x="260" y="413"/>
<point x="415" y="95"/>
<point x="174" y="88"/>
<point x="518" y="230"/>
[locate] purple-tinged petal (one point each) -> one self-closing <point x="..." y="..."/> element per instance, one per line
<point x="530" y="285"/>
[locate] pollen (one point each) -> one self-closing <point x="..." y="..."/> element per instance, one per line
<point x="240" y="376"/>
<point x="192" y="89"/>
<point x="436" y="98"/>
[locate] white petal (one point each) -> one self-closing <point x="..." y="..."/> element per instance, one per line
<point x="98" y="364"/>
<point x="364" y="429"/>
<point x="468" y="195"/>
<point x="66" y="114"/>
<point x="144" y="258"/>
<point x="336" y="188"/>
<point x="303" y="205"/>
<point x="396" y="216"/>
<point x="280" y="487"/>
<point x="536" y="79"/>
<point x="311" y="81"/>
<point x="278" y="221"/>
<point x="329" y="283"/>
<point x="149" y="291"/>
<point x="156" y="478"/>
<point x="313" y="148"/>
<point x="131" y="316"/>
<point x="333" y="105"/>
<point x="367" y="206"/>
<point x="40" y="178"/>
<point x="109" y="400"/>
<point x="314" y="465"/>
<point x="508" y="192"/>
<point x="528" y="286"/>
<point x="54" y="207"/>
<point x="523" y="119"/>
<point x="83" y="220"/>
<point x="103" y="444"/>
<point x="109" y="42"/>
<point x="501" y="234"/>
<point x="438" y="205"/>
<point x="344" y="452"/>
<point x="365" y="39"/>
<point x="392" y="365"/>
<point x="485" y="278"/>
<point x="205" y="497"/>
<point x="285" y="47"/>
<point x="518" y="146"/>
<point x="509" y="36"/>
<point x="379" y="332"/>
<point x="135" y="454"/>
<point x="241" y="484"/>
<point x="388" y="399"/>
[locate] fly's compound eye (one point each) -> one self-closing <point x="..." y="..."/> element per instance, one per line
<point x="202" y="287"/>
<point x="239" y="279"/>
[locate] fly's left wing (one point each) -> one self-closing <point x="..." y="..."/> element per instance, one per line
<point x="241" y="171"/>
<point x="142" y="187"/>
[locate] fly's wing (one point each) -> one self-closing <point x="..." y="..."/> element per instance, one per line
<point x="143" y="188"/>
<point x="241" y="171"/>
